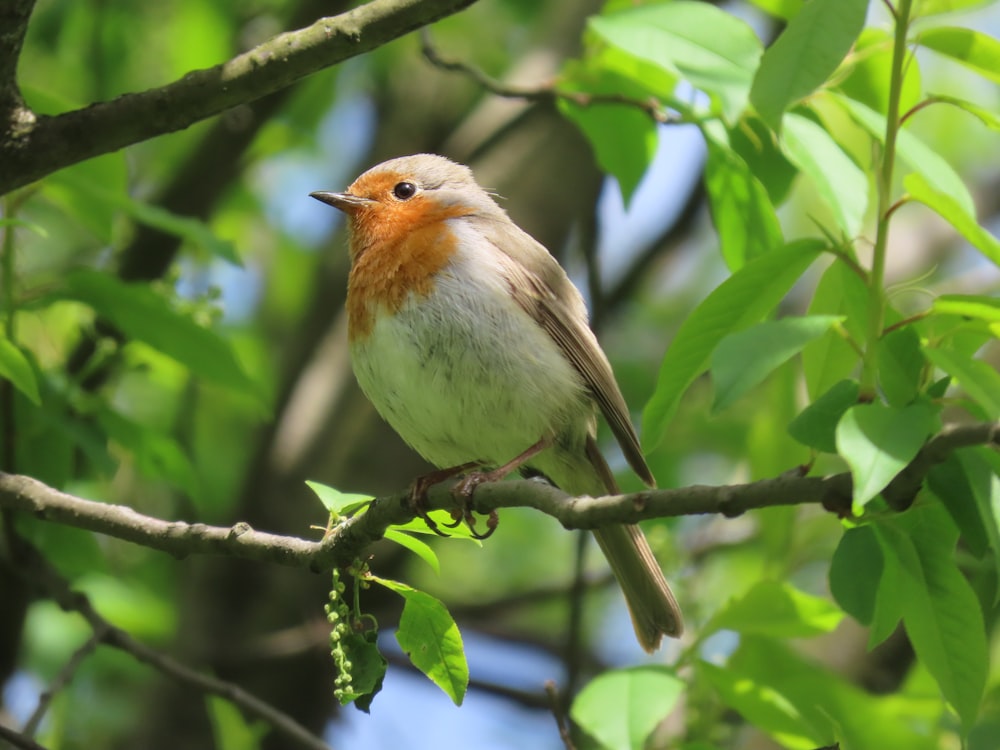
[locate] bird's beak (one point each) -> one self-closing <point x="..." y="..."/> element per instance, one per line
<point x="346" y="202"/>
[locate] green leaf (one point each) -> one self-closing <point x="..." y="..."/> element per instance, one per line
<point x="757" y="145"/>
<point x="888" y="601"/>
<point x="762" y="706"/>
<point x="877" y="441"/>
<point x="805" y="54"/>
<point x="230" y="730"/>
<point x="901" y="365"/>
<point x="951" y="211"/>
<point x="741" y="210"/>
<point x="338" y="503"/>
<point x="185" y="228"/>
<point x="829" y="708"/>
<point x="968" y="306"/>
<point x="624" y="139"/>
<point x="141" y="314"/>
<point x="830" y="359"/>
<point x="16" y="368"/>
<point x="979" y="380"/>
<point x="785" y="9"/>
<point x="743" y="359"/>
<point x="855" y="572"/>
<point x="710" y="48"/>
<point x="778" y="610"/>
<point x="816" y="425"/>
<point x="973" y="49"/>
<point x="621" y="708"/>
<point x="157" y="455"/>
<point x="840" y="182"/>
<point x="744" y="298"/>
<point x="420" y="548"/>
<point x="987" y="117"/>
<point x="429" y="636"/>
<point x="933" y="7"/>
<point x="368" y="667"/>
<point x="940" y="610"/>
<point x="869" y="73"/>
<point x="984" y="482"/>
<point x="917" y="155"/>
<point x="950" y="482"/>
<point x="441" y="518"/>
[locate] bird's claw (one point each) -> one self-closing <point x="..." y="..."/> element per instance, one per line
<point x="462" y="492"/>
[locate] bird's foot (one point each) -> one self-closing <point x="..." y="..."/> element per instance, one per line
<point x="422" y="485"/>
<point x="463" y="491"/>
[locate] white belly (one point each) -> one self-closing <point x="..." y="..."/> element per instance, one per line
<point x="464" y="374"/>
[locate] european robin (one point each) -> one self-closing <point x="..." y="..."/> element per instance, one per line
<point x="473" y="344"/>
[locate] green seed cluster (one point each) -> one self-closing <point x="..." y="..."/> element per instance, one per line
<point x="338" y="614"/>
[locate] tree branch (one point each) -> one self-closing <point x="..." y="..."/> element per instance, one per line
<point x="543" y="92"/>
<point x="14" y="15"/>
<point x="39" y="146"/>
<point x="42" y="574"/>
<point x="351" y="538"/>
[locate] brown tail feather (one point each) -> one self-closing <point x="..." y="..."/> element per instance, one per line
<point x="650" y="601"/>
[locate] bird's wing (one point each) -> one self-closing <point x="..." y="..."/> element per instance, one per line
<point x="541" y="287"/>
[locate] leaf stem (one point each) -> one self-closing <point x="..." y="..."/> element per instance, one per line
<point x="876" y="280"/>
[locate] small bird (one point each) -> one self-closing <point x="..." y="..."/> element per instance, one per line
<point x="474" y="345"/>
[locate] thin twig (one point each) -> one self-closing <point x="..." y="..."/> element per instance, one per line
<point x="62" y="679"/>
<point x="18" y="740"/>
<point x="557" y="713"/>
<point x="42" y="574"/>
<point x="545" y="92"/>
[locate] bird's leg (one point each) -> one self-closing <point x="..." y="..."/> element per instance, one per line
<point x="466" y="486"/>
<point x="422" y="485"/>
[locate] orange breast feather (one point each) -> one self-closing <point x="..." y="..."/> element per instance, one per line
<point x="396" y="251"/>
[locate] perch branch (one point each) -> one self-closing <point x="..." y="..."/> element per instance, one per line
<point x="33" y="146"/>
<point x="352" y="537"/>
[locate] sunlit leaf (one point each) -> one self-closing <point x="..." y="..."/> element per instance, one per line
<point x="743" y="359"/>
<point x="934" y="7"/>
<point x="744" y="298"/>
<point x="418" y="547"/>
<point x="840" y="182"/>
<point x="624" y="138"/>
<point x="16" y="368"/>
<point x="973" y="49"/>
<point x="785" y="9"/>
<point x="778" y="610"/>
<point x="805" y="54"/>
<point x="621" y="708"/>
<point x="979" y="379"/>
<point x="429" y="636"/>
<point x="913" y="152"/>
<point x="762" y="706"/>
<point x="987" y="117"/>
<point x="338" y="503"/>
<point x="869" y="73"/>
<point x="952" y="211"/>
<point x="741" y="210"/>
<point x="142" y="314"/>
<point x="878" y="441"/>
<point x="713" y="50"/>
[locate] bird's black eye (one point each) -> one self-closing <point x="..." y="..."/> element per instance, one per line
<point x="404" y="190"/>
